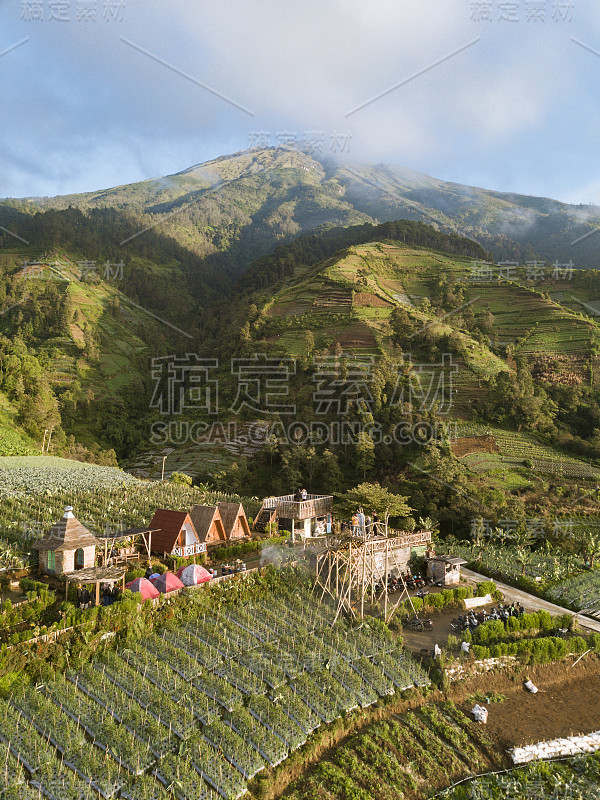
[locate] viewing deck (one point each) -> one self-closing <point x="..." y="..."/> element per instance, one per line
<point x="286" y="508"/>
<point x="316" y="505"/>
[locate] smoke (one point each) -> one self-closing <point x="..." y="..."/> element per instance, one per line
<point x="273" y="554"/>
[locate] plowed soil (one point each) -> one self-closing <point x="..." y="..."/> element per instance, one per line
<point x="567" y="703"/>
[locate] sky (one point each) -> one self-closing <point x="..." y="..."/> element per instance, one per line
<point x="502" y="95"/>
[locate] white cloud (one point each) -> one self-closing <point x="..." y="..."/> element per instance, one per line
<point x="80" y="104"/>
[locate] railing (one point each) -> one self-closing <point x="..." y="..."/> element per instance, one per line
<point x="190" y="549"/>
<point x="315" y="505"/>
<point x="414" y="538"/>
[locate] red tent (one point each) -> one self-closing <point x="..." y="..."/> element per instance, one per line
<point x="144" y="587"/>
<point x="193" y="574"/>
<point x="167" y="582"/>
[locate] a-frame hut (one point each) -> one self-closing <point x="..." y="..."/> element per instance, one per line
<point x="68" y="546"/>
<point x="174" y="533"/>
<point x="234" y="521"/>
<point x="208" y="524"/>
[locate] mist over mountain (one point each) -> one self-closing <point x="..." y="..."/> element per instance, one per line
<point x="235" y="208"/>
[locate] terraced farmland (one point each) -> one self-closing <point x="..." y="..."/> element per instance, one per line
<point x="166" y="715"/>
<point x="515" y="447"/>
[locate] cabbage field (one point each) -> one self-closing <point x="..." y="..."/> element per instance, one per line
<point x="41" y="474"/>
<point x="579" y="591"/>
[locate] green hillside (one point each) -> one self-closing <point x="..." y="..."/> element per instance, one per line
<point x="233" y="209"/>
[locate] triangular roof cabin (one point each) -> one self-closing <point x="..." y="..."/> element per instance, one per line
<point x="234" y="520"/>
<point x="67" y="534"/>
<point x="67" y="546"/>
<point x="208" y="523"/>
<point x="171" y="529"/>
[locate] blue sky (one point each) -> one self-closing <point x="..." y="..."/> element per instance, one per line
<point x="503" y="95"/>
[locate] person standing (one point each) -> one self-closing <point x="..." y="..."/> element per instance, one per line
<point x="361" y="521"/>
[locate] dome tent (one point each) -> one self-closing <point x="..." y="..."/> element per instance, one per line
<point x="144" y="587"/>
<point x="193" y="574"/>
<point x="167" y="582"/>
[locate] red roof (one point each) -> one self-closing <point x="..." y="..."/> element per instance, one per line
<point x="166" y="526"/>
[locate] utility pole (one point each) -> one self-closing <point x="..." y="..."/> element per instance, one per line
<point x="44" y="442"/>
<point x="162" y="477"/>
<point x="49" y="437"/>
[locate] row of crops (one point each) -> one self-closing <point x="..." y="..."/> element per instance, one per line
<point x="579" y="591"/>
<point x="578" y="777"/>
<point x="197" y="710"/>
<point x="516" y="447"/>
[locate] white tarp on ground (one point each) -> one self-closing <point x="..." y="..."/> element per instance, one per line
<point x="570" y="746"/>
<point x="475" y="602"/>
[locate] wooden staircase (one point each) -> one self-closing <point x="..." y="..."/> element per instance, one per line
<point x="264" y="517"/>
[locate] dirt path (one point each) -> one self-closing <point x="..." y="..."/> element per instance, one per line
<point x="531" y="602"/>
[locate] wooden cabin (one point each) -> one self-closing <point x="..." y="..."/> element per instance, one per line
<point x="68" y="546"/>
<point x="234" y="521"/>
<point x="174" y="533"/>
<point x="209" y="525"/>
<point x="310" y="517"/>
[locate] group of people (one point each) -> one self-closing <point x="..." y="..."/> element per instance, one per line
<point x="300" y="494"/>
<point x="109" y="594"/>
<point x="363" y="525"/>
<point x="85" y="598"/>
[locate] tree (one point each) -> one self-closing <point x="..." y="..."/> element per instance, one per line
<point x="365" y="452"/>
<point x="583" y="540"/>
<point x="181" y="478"/>
<point x="375" y="499"/>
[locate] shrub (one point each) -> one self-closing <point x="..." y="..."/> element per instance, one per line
<point x="417" y="603"/>
<point x="514" y="624"/>
<point x="594" y="642"/>
<point x="436" y="600"/>
<point x="529" y="621"/>
<point x="461" y="593"/>
<point x="545" y="620"/>
<point x="489" y="631"/>
<point x="578" y="644"/>
<point x="181" y="478"/>
<point x="485" y="587"/>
